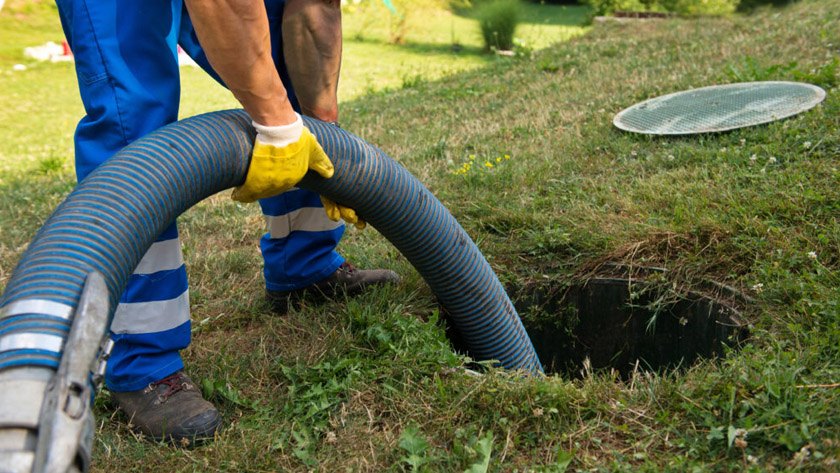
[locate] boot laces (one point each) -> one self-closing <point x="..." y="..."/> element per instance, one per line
<point x="174" y="382"/>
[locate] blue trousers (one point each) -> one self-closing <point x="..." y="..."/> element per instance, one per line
<point x="128" y="75"/>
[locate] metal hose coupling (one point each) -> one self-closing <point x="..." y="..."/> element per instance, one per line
<point x="46" y="417"/>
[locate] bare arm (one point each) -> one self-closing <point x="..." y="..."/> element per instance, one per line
<point x="235" y="36"/>
<point x="312" y="48"/>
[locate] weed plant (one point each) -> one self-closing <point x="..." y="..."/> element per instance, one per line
<point x="370" y="384"/>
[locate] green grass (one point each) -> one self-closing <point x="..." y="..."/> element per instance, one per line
<point x="369" y="384"/>
<point x="433" y="44"/>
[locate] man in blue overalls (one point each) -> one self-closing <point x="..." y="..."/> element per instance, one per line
<point x="127" y="69"/>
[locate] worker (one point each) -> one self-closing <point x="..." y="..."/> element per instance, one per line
<point x="279" y="59"/>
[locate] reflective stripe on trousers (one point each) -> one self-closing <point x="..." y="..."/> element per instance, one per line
<point x="128" y="75"/>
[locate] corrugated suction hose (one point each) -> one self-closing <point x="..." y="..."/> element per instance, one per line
<point x="105" y="226"/>
<point x="108" y="222"/>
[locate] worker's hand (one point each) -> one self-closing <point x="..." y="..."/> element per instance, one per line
<point x="338" y="212"/>
<point x="282" y="156"/>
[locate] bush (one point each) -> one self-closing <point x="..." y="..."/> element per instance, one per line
<point x="682" y="7"/>
<point x="607" y="7"/>
<point x="701" y="7"/>
<point x="747" y="5"/>
<point x="498" y="21"/>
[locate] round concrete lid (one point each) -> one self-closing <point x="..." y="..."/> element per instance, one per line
<point x="719" y="108"/>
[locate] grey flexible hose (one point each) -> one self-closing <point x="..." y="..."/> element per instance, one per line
<point x="109" y="221"/>
<point x="112" y="218"/>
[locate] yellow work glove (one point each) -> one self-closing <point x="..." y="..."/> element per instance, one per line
<point x="282" y="156"/>
<point x="338" y="212"/>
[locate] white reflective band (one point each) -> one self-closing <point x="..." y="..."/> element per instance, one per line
<point x="307" y="219"/>
<point x="151" y="317"/>
<point x="17" y="408"/>
<point x="37" y="306"/>
<point x="161" y="256"/>
<point x="31" y="341"/>
<point x="17" y="460"/>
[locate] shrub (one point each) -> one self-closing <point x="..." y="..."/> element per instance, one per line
<point x="606" y="7"/>
<point x="747" y="5"/>
<point x="498" y="20"/>
<point x="701" y="7"/>
<point x="682" y="7"/>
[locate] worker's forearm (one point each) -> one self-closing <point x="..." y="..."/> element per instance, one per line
<point x="312" y="48"/>
<point x="235" y="37"/>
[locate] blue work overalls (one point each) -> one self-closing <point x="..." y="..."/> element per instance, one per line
<point x="127" y="69"/>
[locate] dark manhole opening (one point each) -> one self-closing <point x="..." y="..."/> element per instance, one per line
<point x="624" y="324"/>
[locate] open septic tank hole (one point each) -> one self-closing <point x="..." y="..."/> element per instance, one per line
<point x="624" y="324"/>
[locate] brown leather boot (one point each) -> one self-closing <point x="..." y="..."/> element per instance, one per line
<point x="346" y="279"/>
<point x="171" y="409"/>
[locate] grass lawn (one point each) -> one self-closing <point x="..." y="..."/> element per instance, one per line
<point x="371" y="383"/>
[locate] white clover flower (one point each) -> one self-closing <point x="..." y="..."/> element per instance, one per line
<point x="771" y="160"/>
<point x="743" y="141"/>
<point x="806" y="144"/>
<point x="812" y="254"/>
<point x="763" y="170"/>
<point x="758" y="287"/>
<point x="753" y="158"/>
<point x="670" y="157"/>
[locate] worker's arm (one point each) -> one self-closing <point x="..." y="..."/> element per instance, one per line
<point x="312" y="49"/>
<point x="235" y="36"/>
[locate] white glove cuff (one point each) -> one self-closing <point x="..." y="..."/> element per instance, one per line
<point x="279" y="136"/>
